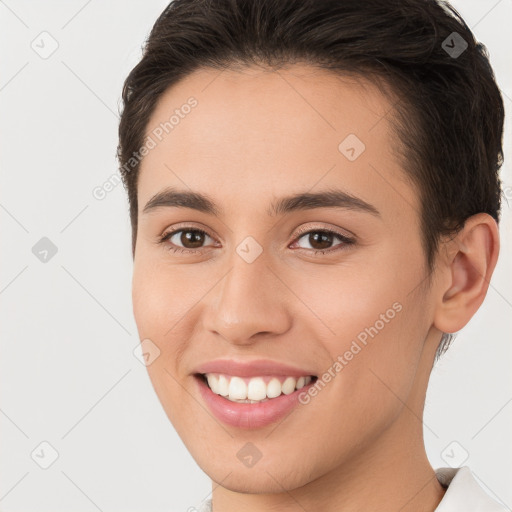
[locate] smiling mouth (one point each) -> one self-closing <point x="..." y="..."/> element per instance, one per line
<point x="254" y="389"/>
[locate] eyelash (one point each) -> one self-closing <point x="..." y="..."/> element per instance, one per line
<point x="346" y="241"/>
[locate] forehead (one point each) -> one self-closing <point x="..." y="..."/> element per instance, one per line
<point x="258" y="132"/>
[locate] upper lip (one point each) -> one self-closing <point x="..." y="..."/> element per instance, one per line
<point x="255" y="368"/>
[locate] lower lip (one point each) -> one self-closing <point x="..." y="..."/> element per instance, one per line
<point x="249" y="415"/>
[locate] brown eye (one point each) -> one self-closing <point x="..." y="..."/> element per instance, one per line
<point x="186" y="238"/>
<point x="322" y="240"/>
<point x="192" y="239"/>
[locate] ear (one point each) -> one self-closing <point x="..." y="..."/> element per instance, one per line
<point x="467" y="267"/>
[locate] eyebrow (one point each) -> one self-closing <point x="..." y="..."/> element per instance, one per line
<point x="333" y="198"/>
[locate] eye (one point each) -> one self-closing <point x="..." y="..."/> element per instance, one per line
<point x="321" y="240"/>
<point x="191" y="239"/>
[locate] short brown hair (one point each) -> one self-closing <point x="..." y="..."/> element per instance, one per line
<point x="450" y="113"/>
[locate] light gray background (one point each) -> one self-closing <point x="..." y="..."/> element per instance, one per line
<point x="68" y="373"/>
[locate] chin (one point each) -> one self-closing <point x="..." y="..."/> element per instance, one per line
<point x="272" y="480"/>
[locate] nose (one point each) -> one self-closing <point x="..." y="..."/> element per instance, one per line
<point x="248" y="304"/>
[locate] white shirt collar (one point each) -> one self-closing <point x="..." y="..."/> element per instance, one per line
<point x="464" y="493"/>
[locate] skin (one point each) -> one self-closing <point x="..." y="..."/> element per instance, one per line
<point x="257" y="135"/>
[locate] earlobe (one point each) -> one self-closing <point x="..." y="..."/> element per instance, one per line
<point x="469" y="268"/>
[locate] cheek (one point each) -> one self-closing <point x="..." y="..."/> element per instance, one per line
<point x="158" y="307"/>
<point x="157" y="297"/>
<point x="373" y="369"/>
<point x="347" y="302"/>
<point x="373" y="325"/>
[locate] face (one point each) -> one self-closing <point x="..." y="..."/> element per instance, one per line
<point x="251" y="288"/>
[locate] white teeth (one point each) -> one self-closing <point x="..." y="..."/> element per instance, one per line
<point x="289" y="385"/>
<point x="223" y="386"/>
<point x="273" y="388"/>
<point x="255" y="389"/>
<point x="237" y="389"/>
<point x="213" y="381"/>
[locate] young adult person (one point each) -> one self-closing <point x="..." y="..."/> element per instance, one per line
<point x="314" y="195"/>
